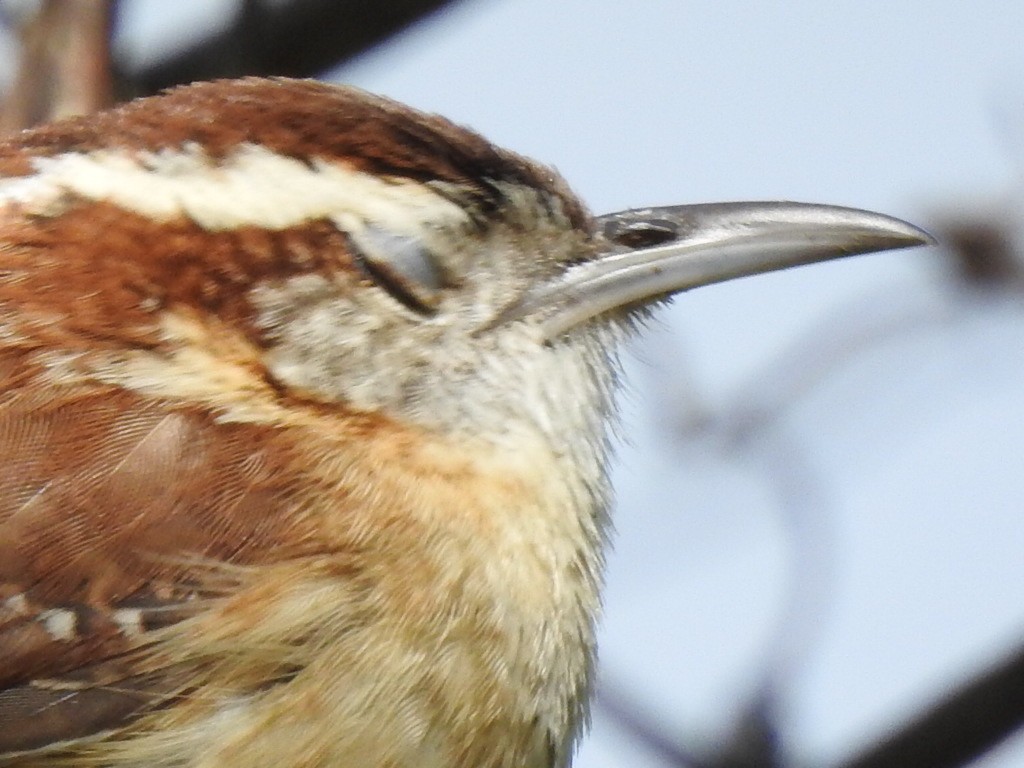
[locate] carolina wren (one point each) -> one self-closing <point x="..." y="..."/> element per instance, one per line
<point x="304" y="428"/>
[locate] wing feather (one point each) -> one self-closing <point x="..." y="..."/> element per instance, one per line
<point x="107" y="500"/>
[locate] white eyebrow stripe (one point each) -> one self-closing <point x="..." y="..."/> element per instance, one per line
<point x="250" y="187"/>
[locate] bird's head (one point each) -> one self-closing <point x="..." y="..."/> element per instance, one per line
<point x="374" y="256"/>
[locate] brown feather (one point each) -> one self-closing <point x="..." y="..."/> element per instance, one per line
<point x="98" y="275"/>
<point x="303" y="119"/>
<point x="107" y="500"/>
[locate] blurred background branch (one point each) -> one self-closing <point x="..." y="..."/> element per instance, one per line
<point x="301" y="38"/>
<point x="64" y="65"/>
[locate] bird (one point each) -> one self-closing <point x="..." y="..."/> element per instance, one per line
<point x="306" y="408"/>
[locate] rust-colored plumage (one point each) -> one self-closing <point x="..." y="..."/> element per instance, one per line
<point x="202" y="560"/>
<point x="302" y="119"/>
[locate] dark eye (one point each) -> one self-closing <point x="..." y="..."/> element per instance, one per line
<point x="401" y="265"/>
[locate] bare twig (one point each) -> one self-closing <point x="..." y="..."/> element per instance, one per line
<point x="64" y="67"/>
<point x="301" y="38"/>
<point x="984" y="250"/>
<point x="969" y="722"/>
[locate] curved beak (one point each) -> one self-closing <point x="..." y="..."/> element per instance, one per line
<point x="651" y="253"/>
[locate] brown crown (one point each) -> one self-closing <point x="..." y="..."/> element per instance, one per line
<point x="301" y="119"/>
